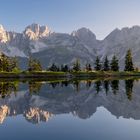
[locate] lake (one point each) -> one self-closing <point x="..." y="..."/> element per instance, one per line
<point x="91" y="109"/>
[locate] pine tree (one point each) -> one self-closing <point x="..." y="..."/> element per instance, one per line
<point x="114" y="64"/>
<point x="128" y="61"/>
<point x="34" y="65"/>
<point x="4" y="63"/>
<point x="88" y="67"/>
<point x="54" y="68"/>
<point x="13" y="64"/>
<point x="106" y="64"/>
<point x="8" y="64"/>
<point x="76" y="66"/>
<point x="97" y="64"/>
<point x="64" y="68"/>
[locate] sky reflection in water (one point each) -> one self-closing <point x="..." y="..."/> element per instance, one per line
<point x="89" y="109"/>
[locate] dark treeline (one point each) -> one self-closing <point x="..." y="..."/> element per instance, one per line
<point x="105" y="65"/>
<point x="8" y="64"/>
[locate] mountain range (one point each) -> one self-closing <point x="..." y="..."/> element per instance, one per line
<point x="63" y="48"/>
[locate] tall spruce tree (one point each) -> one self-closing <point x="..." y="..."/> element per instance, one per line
<point x="4" y="63"/>
<point x="128" y="61"/>
<point x="8" y="63"/>
<point x="76" y="66"/>
<point x="54" y="68"/>
<point x="114" y="64"/>
<point x="34" y="65"/>
<point x="64" y="68"/>
<point x="106" y="64"/>
<point x="14" y="64"/>
<point x="88" y="67"/>
<point x="97" y="64"/>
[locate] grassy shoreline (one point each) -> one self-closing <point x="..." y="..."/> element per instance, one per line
<point x="48" y="74"/>
<point x="106" y="74"/>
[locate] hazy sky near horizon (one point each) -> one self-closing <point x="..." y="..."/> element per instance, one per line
<point x="101" y="16"/>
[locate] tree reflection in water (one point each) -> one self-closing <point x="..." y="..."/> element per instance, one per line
<point x="98" y="86"/>
<point x="34" y="87"/>
<point x="60" y="97"/>
<point x="6" y="88"/>
<point x="106" y="86"/>
<point x="88" y="84"/>
<point x="54" y="84"/>
<point x="115" y="86"/>
<point x="129" y="88"/>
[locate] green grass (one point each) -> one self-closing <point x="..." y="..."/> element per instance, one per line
<point x="39" y="74"/>
<point x="105" y="74"/>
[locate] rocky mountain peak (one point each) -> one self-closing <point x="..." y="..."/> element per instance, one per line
<point x="1" y="28"/>
<point x="3" y="35"/>
<point x="125" y="33"/>
<point x="35" y="31"/>
<point x="86" y="36"/>
<point x="84" y="32"/>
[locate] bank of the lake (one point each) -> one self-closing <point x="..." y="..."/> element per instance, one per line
<point x="105" y="74"/>
<point x="48" y="74"/>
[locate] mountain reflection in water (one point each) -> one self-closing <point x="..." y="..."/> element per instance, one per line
<point x="40" y="100"/>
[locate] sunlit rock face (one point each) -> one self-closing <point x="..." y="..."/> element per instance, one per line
<point x="36" y="115"/>
<point x="4" y="112"/>
<point x="43" y="44"/>
<point x="35" y="31"/>
<point x="3" y="35"/>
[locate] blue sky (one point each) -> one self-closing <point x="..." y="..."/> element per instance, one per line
<point x="101" y="16"/>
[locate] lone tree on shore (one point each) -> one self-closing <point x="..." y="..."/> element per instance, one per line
<point x="76" y="66"/>
<point x="64" y="68"/>
<point x="114" y="64"/>
<point x="8" y="64"/>
<point x="128" y="61"/>
<point x="97" y="64"/>
<point x="88" y="67"/>
<point x="54" y="68"/>
<point x="4" y="63"/>
<point x="106" y="64"/>
<point x="34" y="65"/>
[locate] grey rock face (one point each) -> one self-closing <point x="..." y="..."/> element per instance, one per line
<point x="61" y="48"/>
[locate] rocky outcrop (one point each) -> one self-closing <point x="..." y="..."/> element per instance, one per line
<point x="35" y="31"/>
<point x="62" y="48"/>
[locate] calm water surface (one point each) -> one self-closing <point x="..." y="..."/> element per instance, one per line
<point x="70" y="110"/>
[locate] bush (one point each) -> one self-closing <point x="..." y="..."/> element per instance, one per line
<point x="16" y="70"/>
